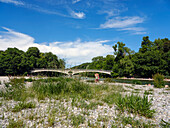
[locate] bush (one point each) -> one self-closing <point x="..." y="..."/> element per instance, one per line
<point x="158" y="80"/>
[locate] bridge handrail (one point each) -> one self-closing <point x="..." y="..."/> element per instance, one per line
<point x="71" y="69"/>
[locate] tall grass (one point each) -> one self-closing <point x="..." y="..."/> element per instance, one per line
<point x="15" y="90"/>
<point x="53" y="87"/>
<point x="135" y="104"/>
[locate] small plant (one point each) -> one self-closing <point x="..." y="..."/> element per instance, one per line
<point x="158" y="80"/>
<point x="23" y="105"/>
<point x="16" y="124"/>
<point x="77" y="120"/>
<point x="51" y="120"/>
<point x="136" y="123"/>
<point x="148" y="93"/>
<point x="135" y="104"/>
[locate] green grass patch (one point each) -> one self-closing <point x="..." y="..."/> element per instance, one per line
<point x="23" y="105"/>
<point x="131" y="122"/>
<point x="77" y="120"/>
<point x="16" y="124"/>
<point x="135" y="104"/>
<point x="61" y="86"/>
<point x="15" y="91"/>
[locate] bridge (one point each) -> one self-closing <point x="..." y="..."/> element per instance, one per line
<point x="71" y="71"/>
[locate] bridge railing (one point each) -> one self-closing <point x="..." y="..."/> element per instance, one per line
<point x="72" y="69"/>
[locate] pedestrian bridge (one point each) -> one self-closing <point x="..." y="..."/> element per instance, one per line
<point x="71" y="71"/>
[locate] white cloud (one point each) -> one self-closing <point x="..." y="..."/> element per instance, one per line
<point x="125" y="23"/>
<point x="16" y="2"/>
<point x="134" y="29"/>
<point x="122" y="22"/>
<point x="75" y="52"/>
<point x="78" y="15"/>
<point x="75" y="1"/>
<point x="73" y="14"/>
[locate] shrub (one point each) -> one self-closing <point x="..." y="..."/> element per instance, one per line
<point x="158" y="80"/>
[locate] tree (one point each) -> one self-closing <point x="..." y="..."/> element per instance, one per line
<point x="33" y="51"/>
<point x="123" y="65"/>
<point x="109" y="62"/>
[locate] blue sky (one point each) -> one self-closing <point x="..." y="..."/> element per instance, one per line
<point x="79" y="30"/>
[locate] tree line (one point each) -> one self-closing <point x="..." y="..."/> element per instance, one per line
<point x="152" y="57"/>
<point x="17" y="62"/>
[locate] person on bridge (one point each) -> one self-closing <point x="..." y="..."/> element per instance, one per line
<point x="96" y="77"/>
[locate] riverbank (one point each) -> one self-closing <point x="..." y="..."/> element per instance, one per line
<point x="97" y="108"/>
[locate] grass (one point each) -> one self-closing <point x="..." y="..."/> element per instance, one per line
<point x="135" y="104"/>
<point x="16" y="91"/>
<point x="131" y="122"/>
<point x="61" y="86"/>
<point x="77" y="119"/>
<point x="23" y="105"/>
<point x="16" y="124"/>
<point x="148" y="92"/>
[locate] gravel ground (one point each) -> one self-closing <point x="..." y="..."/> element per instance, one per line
<point x="61" y="113"/>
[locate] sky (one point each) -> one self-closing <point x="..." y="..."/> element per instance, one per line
<point x="78" y="30"/>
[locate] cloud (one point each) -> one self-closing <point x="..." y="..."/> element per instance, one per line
<point x="36" y="7"/>
<point x="16" y="2"/>
<point x="125" y="23"/>
<point x="77" y="15"/>
<point x="75" y="52"/>
<point x="122" y="22"/>
<point x="75" y="1"/>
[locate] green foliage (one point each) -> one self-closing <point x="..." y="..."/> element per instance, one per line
<point x="23" y="105"/>
<point x="77" y="120"/>
<point x="61" y="86"/>
<point x="135" y="104"/>
<point x="134" y="123"/>
<point x="137" y="82"/>
<point x="152" y="57"/>
<point x="16" y="62"/>
<point x="15" y="91"/>
<point x="16" y="124"/>
<point x="158" y="80"/>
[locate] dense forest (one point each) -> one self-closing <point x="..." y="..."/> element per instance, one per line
<point x="152" y="58"/>
<point x="16" y="62"/>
